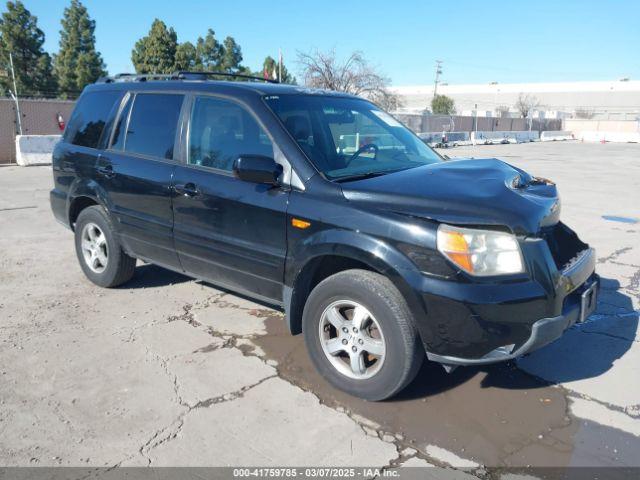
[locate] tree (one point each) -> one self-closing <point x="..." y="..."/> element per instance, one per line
<point x="187" y="57"/>
<point x="231" y="56"/>
<point x="355" y="76"/>
<point x="156" y="52"/>
<point x="502" y="111"/>
<point x="584" y="113"/>
<point x="443" y="105"/>
<point x="525" y="104"/>
<point x="20" y="36"/>
<point x="270" y="65"/>
<point x="209" y="52"/>
<point x="77" y="63"/>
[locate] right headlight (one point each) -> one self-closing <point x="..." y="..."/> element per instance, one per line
<point x="480" y="252"/>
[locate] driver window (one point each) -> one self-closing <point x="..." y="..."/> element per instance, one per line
<point x="220" y="131"/>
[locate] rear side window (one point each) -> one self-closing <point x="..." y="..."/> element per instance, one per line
<point x="89" y="118"/>
<point x="152" y="124"/>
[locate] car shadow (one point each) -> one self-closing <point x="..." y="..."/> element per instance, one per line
<point x="589" y="349"/>
<point x="584" y="351"/>
<point x="148" y="275"/>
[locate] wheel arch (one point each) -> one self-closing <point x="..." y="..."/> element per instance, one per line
<point x="81" y="196"/>
<point x="76" y="205"/>
<point x="316" y="261"/>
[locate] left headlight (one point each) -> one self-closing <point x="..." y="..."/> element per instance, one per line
<point x="480" y="252"/>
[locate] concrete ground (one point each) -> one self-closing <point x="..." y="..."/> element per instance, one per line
<point x="170" y="371"/>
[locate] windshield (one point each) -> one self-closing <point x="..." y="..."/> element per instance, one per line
<point x="349" y="138"/>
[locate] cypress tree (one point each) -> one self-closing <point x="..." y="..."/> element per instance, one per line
<point x="20" y="36"/>
<point x="156" y="52"/>
<point x="77" y="63"/>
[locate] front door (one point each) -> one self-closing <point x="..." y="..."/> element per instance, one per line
<point x="228" y="231"/>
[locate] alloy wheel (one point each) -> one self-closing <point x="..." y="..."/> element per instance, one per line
<point x="352" y="339"/>
<point x="94" y="247"/>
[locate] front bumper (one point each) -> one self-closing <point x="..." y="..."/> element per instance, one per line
<point x="482" y="323"/>
<point x="543" y="332"/>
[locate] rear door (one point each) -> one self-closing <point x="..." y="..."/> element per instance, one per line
<point x="137" y="170"/>
<point x="226" y="230"/>
<point x="75" y="159"/>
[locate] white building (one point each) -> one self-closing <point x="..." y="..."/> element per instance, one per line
<point x="615" y="100"/>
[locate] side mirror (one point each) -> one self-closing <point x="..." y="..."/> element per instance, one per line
<point x="257" y="169"/>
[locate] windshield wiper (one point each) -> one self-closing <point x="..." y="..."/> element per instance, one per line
<point x="359" y="176"/>
<point x="365" y="175"/>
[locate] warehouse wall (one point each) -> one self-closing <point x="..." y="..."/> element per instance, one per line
<point x="457" y="123"/>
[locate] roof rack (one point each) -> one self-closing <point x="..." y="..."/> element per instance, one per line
<point x="180" y="75"/>
<point x="142" y="77"/>
<point x="204" y="75"/>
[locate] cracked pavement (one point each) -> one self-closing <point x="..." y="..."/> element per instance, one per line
<point x="168" y="371"/>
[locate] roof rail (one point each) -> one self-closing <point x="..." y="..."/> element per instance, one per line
<point x="204" y="75"/>
<point x="141" y="77"/>
<point x="181" y="75"/>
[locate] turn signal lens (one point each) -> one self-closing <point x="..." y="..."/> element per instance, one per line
<point x="296" y="222"/>
<point x="480" y="252"/>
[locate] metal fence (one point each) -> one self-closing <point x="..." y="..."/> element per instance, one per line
<point x="458" y="123"/>
<point x="39" y="117"/>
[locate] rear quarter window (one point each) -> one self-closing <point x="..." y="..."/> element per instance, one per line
<point x="89" y="118"/>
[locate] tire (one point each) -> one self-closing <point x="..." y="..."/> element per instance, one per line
<point x="101" y="256"/>
<point x="389" y="323"/>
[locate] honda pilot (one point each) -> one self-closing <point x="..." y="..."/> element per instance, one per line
<point x="380" y="252"/>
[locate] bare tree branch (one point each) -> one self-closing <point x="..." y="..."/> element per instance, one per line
<point x="525" y="104"/>
<point x="584" y="113"/>
<point x="354" y="75"/>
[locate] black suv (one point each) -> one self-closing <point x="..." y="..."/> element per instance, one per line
<point x="377" y="249"/>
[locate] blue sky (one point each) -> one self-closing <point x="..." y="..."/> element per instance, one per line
<point x="479" y="41"/>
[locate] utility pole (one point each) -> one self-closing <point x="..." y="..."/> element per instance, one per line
<point x="476" y="124"/>
<point x="14" y="94"/>
<point x="438" y="73"/>
<point x="279" y="65"/>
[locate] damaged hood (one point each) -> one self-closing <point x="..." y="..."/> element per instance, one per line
<point x="464" y="192"/>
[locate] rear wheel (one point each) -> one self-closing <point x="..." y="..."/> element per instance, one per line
<point x="360" y="334"/>
<point x="100" y="254"/>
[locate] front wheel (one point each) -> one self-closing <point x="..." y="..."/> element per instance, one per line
<point x="360" y="334"/>
<point x="101" y="257"/>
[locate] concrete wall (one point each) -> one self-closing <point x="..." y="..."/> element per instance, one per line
<point x="35" y="149"/>
<point x="577" y="125"/>
<point x="604" y="130"/>
<point x="556" y="135"/>
<point x="496" y="137"/>
<point x="38" y="118"/>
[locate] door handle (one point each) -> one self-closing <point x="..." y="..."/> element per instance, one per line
<point x="106" y="171"/>
<point x="188" y="189"/>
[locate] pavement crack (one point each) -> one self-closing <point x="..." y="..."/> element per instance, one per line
<point x="171" y="431"/>
<point x="7" y="209"/>
<point x="630" y="410"/>
<point x="610" y="335"/>
<point x="231" y="396"/>
<point x="614" y="255"/>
